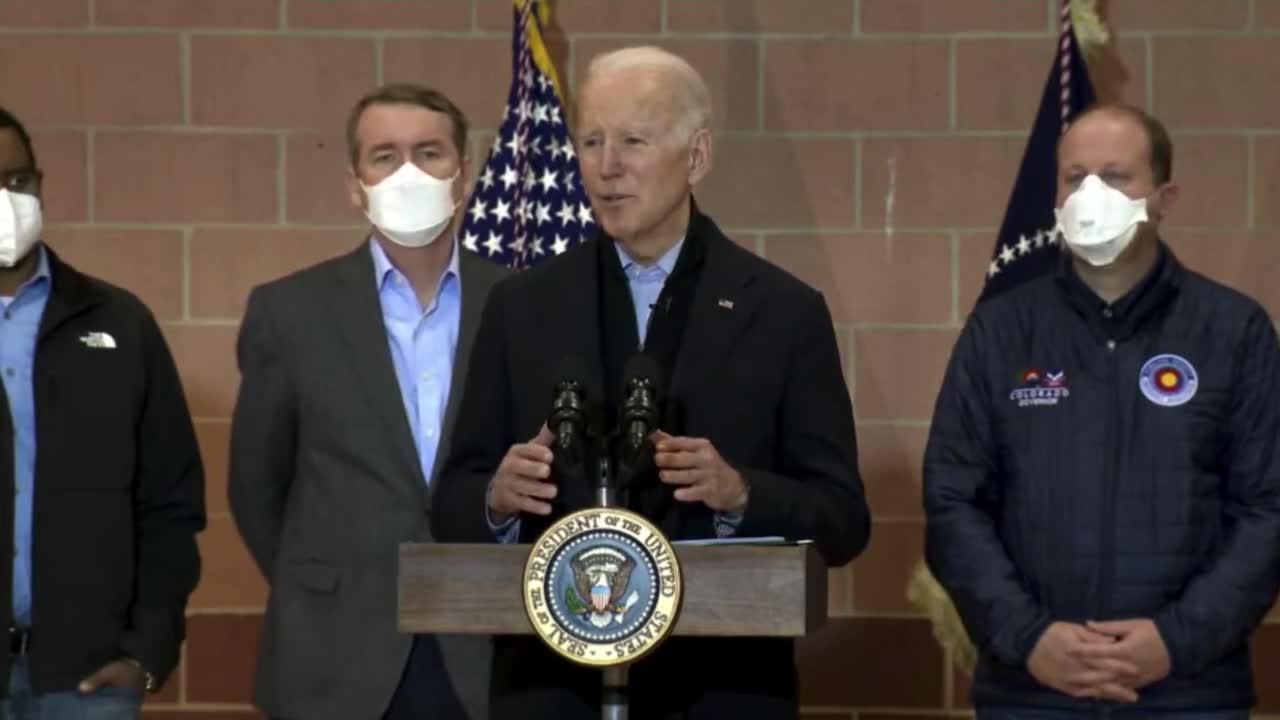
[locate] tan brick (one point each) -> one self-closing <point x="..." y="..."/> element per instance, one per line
<point x="890" y="458"/>
<point x="316" y="168"/>
<point x="1249" y="262"/>
<point x="1267" y="14"/>
<point x="474" y="72"/>
<point x="1189" y="81"/>
<point x="278" y="81"/>
<point x="424" y="15"/>
<point x="214" y="437"/>
<point x="189" y="13"/>
<point x="1266" y="190"/>
<point x="881" y="574"/>
<point x="205" y="355"/>
<point x="884" y="84"/>
<point x="898" y="371"/>
<point x="64" y="192"/>
<point x="938" y="182"/>
<point x="1213" y="174"/>
<point x="574" y="16"/>
<point x="148" y="263"/>
<point x="222" y="652"/>
<point x="44" y="13"/>
<point x="840" y="591"/>
<point x="756" y="16"/>
<point x="771" y="183"/>
<point x="1141" y="15"/>
<point x="226" y="264"/>
<point x="913" y="16"/>
<point x="228" y="577"/>
<point x="185" y="177"/>
<point x="873" y="278"/>
<point x="904" y="671"/>
<point x="999" y="82"/>
<point x="728" y="66"/>
<point x="140" y="84"/>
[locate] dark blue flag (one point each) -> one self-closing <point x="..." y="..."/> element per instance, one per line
<point x="1027" y="245"/>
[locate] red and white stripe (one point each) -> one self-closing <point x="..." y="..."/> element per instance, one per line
<point x="1064" y="62"/>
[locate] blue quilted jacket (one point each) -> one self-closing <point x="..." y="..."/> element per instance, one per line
<point x="1089" y="461"/>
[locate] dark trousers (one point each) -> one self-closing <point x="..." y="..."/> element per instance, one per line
<point x="425" y="692"/>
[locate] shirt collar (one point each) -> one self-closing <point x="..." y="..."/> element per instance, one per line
<point x="42" y="266"/>
<point x="42" y="273"/>
<point x="383" y="270"/>
<point x="666" y="263"/>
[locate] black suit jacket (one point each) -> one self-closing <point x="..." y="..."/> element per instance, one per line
<point x="758" y="374"/>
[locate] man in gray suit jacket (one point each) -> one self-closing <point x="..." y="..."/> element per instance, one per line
<point x="351" y="372"/>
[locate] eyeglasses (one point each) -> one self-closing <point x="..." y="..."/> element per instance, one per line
<point x="20" y="180"/>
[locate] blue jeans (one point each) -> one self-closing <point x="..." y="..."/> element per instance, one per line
<point x="108" y="703"/>
<point x="1016" y="713"/>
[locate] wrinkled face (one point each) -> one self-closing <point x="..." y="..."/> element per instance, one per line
<point x="637" y="166"/>
<point x="389" y="135"/>
<point x="1115" y="147"/>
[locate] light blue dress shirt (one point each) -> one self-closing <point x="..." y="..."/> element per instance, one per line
<point x="422" y="342"/>
<point x="646" y="281"/>
<point x="19" y="325"/>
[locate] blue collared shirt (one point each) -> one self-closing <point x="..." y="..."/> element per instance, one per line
<point x="19" y="325"/>
<point x="646" y="281"/>
<point x="422" y="342"/>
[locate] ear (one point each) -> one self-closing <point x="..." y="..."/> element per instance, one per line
<point x="354" y="192"/>
<point x="464" y="181"/>
<point x="1168" y="194"/>
<point x="700" y="152"/>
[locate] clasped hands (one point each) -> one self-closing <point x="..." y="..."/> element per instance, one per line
<point x="1102" y="660"/>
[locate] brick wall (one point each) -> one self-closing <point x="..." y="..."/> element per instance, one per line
<point x="193" y="149"/>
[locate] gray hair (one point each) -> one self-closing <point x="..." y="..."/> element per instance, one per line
<point x="693" y="99"/>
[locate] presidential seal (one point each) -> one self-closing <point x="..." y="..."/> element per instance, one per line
<point x="602" y="587"/>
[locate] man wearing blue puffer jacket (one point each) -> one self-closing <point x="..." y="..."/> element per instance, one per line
<point x="1102" y="478"/>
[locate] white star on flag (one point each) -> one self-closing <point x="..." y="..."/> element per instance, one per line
<point x="529" y="180"/>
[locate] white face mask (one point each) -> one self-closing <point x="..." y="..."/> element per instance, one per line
<point x="411" y="207"/>
<point x="1098" y="221"/>
<point x="20" y="225"/>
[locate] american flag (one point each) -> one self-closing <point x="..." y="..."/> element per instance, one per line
<point x="528" y="203"/>
<point x="1028" y="242"/>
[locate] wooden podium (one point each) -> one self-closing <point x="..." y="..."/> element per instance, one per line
<point x="737" y="590"/>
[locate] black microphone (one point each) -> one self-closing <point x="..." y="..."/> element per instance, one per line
<point x="641" y="405"/>
<point x="568" y="418"/>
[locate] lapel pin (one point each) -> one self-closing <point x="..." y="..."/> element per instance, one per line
<point x="725" y="303"/>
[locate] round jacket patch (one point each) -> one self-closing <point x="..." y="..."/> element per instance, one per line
<point x="1168" y="380"/>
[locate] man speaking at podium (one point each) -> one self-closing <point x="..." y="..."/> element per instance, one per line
<point x="757" y="434"/>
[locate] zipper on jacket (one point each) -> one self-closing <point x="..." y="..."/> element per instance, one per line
<point x="1110" y="487"/>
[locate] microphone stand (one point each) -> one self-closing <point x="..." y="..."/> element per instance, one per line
<point x="613" y="696"/>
